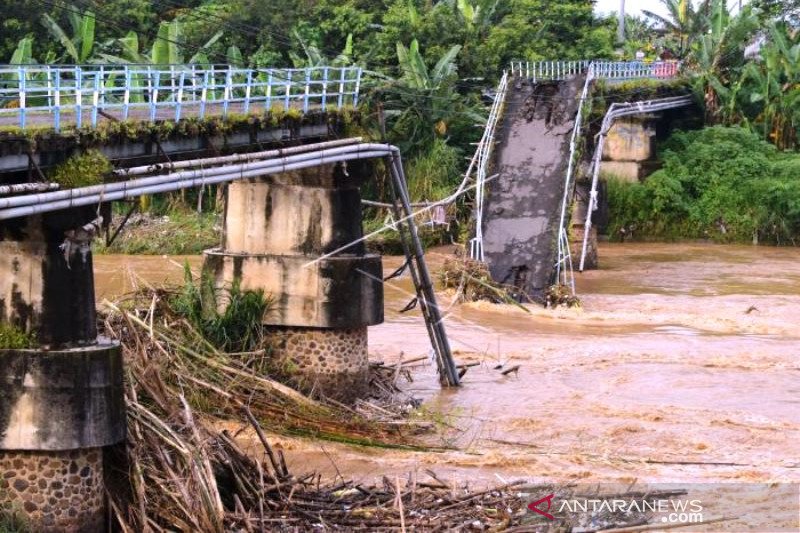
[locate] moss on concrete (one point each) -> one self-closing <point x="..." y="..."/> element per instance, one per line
<point x="14" y="338"/>
<point x="115" y="131"/>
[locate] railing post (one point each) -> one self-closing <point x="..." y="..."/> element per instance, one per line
<point x="204" y="94"/>
<point x="341" y="87"/>
<point x="288" y="90"/>
<point x="95" y="98"/>
<point x="306" y="90"/>
<point x="268" y="102"/>
<point x="152" y="86"/>
<point x="21" y="87"/>
<point x="247" y="90"/>
<point x="227" y="91"/>
<point x="358" y="86"/>
<point x="102" y="86"/>
<point x="78" y="97"/>
<point x="179" y="99"/>
<point x="49" y="73"/>
<point x="126" y="96"/>
<point x="172" y="81"/>
<point x="57" y="100"/>
<point x="324" y="88"/>
<point x="194" y="83"/>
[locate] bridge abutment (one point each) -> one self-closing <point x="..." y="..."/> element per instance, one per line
<point x="278" y="230"/>
<point x="629" y="148"/>
<point x="61" y="387"/>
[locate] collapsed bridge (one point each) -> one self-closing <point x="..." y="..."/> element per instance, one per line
<point x="523" y="218"/>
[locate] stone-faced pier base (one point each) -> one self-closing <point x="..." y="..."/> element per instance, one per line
<point x="55" y="491"/>
<point x="332" y="362"/>
<point x="61" y="394"/>
<point x="277" y="231"/>
<point x="629" y="148"/>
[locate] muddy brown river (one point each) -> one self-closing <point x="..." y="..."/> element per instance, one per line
<point x="681" y="366"/>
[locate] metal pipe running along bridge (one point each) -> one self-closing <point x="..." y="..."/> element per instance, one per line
<point x="82" y="95"/>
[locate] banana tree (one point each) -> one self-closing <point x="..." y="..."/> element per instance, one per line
<point x="423" y="103"/>
<point x="79" y="47"/>
<point x="718" y="59"/>
<point x="315" y="58"/>
<point x="773" y="83"/>
<point x="478" y="17"/>
<point x="167" y="48"/>
<point x="685" y="22"/>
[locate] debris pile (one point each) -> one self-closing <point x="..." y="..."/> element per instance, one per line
<point x="471" y="281"/>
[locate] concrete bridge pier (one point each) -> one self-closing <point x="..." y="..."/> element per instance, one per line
<point x="629" y="148"/>
<point x="276" y="229"/>
<point x="61" y="387"/>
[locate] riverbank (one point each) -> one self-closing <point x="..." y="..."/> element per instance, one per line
<point x="184" y="232"/>
<point x="176" y="233"/>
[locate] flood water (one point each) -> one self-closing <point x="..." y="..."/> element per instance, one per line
<point x="681" y="366"/>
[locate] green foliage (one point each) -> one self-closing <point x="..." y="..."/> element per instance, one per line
<point x="23" y="55"/>
<point x="720" y="183"/>
<point x="761" y="92"/>
<point x="178" y="232"/>
<point x="434" y="174"/>
<point x="684" y="21"/>
<point x="424" y="104"/>
<point x="78" y="47"/>
<point x="237" y="328"/>
<point x="81" y="170"/>
<point x="13" y="523"/>
<point x="14" y="338"/>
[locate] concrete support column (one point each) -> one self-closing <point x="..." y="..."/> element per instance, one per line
<point x="276" y="229"/>
<point x="629" y="148"/>
<point x="61" y="397"/>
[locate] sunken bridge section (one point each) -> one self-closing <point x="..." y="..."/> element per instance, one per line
<point x="538" y="195"/>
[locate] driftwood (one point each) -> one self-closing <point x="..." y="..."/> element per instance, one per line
<point x="180" y="472"/>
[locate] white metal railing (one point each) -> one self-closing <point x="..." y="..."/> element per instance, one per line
<point x="538" y="71"/>
<point x="483" y="157"/>
<point x="55" y="95"/>
<point x="548" y="70"/>
<point x="564" y="270"/>
<point x="615" y="111"/>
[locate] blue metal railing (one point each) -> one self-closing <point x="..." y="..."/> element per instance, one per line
<point x="613" y="70"/>
<point x="80" y="95"/>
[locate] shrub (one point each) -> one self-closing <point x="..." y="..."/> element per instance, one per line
<point x="87" y="168"/>
<point x="235" y="329"/>
<point x="721" y="183"/>
<point x="14" y="338"/>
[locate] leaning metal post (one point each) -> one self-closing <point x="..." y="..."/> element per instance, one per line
<point x="448" y="374"/>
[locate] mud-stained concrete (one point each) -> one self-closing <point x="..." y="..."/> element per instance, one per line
<point x="524" y="202"/>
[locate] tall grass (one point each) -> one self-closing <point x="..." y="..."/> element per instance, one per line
<point x="229" y="318"/>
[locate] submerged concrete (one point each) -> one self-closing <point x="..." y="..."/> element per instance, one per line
<point x="520" y="227"/>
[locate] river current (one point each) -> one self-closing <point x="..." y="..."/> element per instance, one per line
<point x="680" y="366"/>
